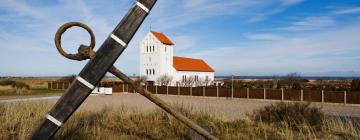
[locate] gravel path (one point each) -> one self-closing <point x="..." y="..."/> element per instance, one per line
<point x="229" y="109"/>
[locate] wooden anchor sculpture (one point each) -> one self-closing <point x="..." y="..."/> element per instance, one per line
<point x="96" y="68"/>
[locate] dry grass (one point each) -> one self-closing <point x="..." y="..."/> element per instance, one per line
<point x="20" y="119"/>
<point x="293" y="114"/>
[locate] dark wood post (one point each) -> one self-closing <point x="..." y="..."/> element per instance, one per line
<point x="94" y="70"/>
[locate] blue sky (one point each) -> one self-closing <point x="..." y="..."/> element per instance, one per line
<point x="240" y="37"/>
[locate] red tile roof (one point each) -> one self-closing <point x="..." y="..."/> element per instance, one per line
<point x="163" y="39"/>
<point x="191" y="64"/>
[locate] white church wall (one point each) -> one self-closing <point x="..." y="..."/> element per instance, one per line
<point x="149" y="57"/>
<point x="201" y="76"/>
<point x="158" y="61"/>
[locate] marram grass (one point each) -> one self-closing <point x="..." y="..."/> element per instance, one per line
<point x="18" y="120"/>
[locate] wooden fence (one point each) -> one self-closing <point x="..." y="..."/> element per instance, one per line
<point x="346" y="97"/>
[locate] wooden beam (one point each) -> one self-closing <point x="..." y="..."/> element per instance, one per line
<point x="94" y="70"/>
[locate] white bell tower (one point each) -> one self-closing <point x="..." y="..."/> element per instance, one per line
<point x="156" y="56"/>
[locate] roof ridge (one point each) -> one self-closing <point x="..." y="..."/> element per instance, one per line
<point x="191" y="64"/>
<point x="162" y="38"/>
<point x="189" y="57"/>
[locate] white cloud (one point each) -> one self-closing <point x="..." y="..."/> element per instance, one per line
<point x="266" y="37"/>
<point x="183" y="43"/>
<point x="264" y="13"/>
<point x="326" y="50"/>
<point x="351" y="10"/>
<point x="291" y="2"/>
<point x="194" y="3"/>
<point x="170" y="15"/>
<point x="22" y="9"/>
<point x="312" y="23"/>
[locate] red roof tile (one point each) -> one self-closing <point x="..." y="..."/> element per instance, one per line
<point x="191" y="64"/>
<point x="163" y="39"/>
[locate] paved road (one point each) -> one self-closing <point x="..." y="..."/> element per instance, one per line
<point x="229" y="109"/>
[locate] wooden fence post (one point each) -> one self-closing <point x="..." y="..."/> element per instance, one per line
<point x="123" y="85"/>
<point x="247" y="93"/>
<point x="127" y="88"/>
<point x="322" y="96"/>
<point x="302" y="95"/>
<point x="63" y="85"/>
<point x="156" y="90"/>
<point x="167" y="90"/>
<point x="264" y="93"/>
<point x="232" y="92"/>
<point x="204" y="91"/>
<point x="178" y="90"/>
<point x="282" y="94"/>
<point x="217" y="91"/>
<point x="345" y="97"/>
<point x="190" y="91"/>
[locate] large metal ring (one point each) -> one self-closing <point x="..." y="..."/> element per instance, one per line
<point x="62" y="29"/>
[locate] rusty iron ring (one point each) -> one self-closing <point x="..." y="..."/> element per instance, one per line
<point x="84" y="51"/>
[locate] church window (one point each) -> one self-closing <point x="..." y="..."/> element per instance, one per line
<point x="184" y="78"/>
<point x="147" y="72"/>
<point x="165" y="49"/>
<point x="153" y="71"/>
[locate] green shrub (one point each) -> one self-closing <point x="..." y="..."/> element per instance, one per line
<point x="294" y="114"/>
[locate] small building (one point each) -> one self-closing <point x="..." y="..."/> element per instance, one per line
<point x="161" y="67"/>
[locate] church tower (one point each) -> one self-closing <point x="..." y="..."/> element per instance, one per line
<point x="156" y="56"/>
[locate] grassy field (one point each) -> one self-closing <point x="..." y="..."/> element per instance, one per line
<point x="30" y="87"/>
<point x="8" y="91"/>
<point x="20" y="119"/>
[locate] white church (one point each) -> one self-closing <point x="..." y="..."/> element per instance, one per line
<point x="157" y="63"/>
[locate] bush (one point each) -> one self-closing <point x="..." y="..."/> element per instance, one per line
<point x="291" y="114"/>
<point x="20" y="85"/>
<point x="6" y="82"/>
<point x="15" y="84"/>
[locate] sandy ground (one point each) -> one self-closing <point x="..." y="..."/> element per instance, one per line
<point x="229" y="109"/>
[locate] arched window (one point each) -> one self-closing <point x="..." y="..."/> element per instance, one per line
<point x="153" y="48"/>
<point x="153" y="71"/>
<point x="165" y="48"/>
<point x="147" y="72"/>
<point x="147" y="48"/>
